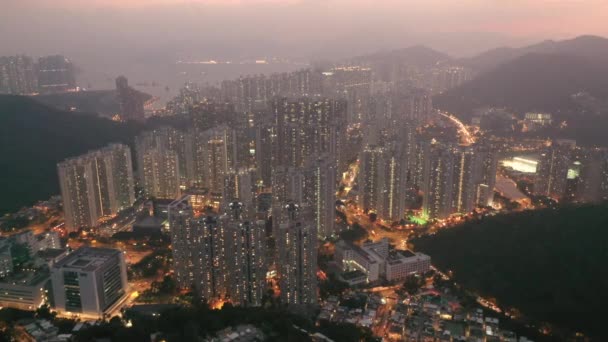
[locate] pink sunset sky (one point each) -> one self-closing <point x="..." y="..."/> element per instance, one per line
<point x="42" y="23"/>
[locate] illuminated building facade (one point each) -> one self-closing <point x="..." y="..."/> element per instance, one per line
<point x="215" y="155"/>
<point x="244" y="255"/>
<point x="240" y="185"/>
<point x="198" y="251"/>
<point x="160" y="170"/>
<point x="297" y="256"/>
<point x="18" y="75"/>
<point x="307" y="127"/>
<point x="89" y="281"/>
<point x="55" y="74"/>
<point x="320" y="194"/>
<point x="437" y="183"/>
<point x="552" y="171"/>
<point x="371" y="173"/>
<point x="171" y="139"/>
<point x="95" y="185"/>
<point x="383" y="178"/>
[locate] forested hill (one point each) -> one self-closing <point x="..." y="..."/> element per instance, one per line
<point x="33" y="138"/>
<point x="550" y="264"/>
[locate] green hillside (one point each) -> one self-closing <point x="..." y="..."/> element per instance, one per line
<point x="33" y="138"/>
<point x="551" y="265"/>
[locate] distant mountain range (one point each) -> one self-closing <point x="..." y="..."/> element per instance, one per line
<point x="567" y="78"/>
<point x="533" y="82"/>
<point x="591" y="48"/>
<point x="418" y="55"/>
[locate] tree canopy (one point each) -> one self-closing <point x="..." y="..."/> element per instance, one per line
<point x="549" y="264"/>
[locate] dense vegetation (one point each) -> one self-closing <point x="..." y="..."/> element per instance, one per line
<point x="34" y="138"/>
<point x="535" y="82"/>
<point x="102" y="102"/>
<point x="549" y="264"/>
<point x="592" y="48"/>
<point x="195" y="323"/>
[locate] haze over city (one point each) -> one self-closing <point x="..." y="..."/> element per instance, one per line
<point x="303" y="170"/>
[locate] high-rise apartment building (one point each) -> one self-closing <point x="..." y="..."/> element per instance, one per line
<point x="467" y="168"/>
<point x="89" y="281"/>
<point x="263" y="152"/>
<point x="456" y="179"/>
<point x="487" y="177"/>
<point x="95" y="185"/>
<point x="198" y="251"/>
<point x="18" y="75"/>
<point x="307" y="127"/>
<point x="552" y="169"/>
<point x="185" y="241"/>
<point x="320" y="193"/>
<point x="589" y="170"/>
<point x="437" y="183"/>
<point x="131" y="101"/>
<point x="245" y="255"/>
<point x="221" y="258"/>
<point x="169" y="138"/>
<point x="160" y="171"/>
<point x="297" y="255"/>
<point x="371" y="173"/>
<point x="210" y="156"/>
<point x="383" y="178"/>
<point x="55" y="74"/>
<point x="240" y="186"/>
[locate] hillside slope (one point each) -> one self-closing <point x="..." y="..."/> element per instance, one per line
<point x="33" y="138"/>
<point x="532" y="82"/>
<point x="592" y="48"/>
<point x="551" y="265"/>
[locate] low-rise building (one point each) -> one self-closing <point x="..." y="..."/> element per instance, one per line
<point x="24" y="291"/>
<point x="400" y="264"/>
<point x="376" y="260"/>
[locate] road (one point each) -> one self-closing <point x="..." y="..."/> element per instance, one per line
<point x="465" y="136"/>
<point x="383" y="314"/>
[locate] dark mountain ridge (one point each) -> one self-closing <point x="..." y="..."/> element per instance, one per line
<point x="592" y="48"/>
<point x="543" y="82"/>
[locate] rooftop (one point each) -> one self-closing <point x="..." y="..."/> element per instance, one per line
<point x="27" y="278"/>
<point x="87" y="258"/>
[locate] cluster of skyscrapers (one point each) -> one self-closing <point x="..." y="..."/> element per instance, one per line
<point x="567" y="172"/>
<point x="452" y="178"/>
<point x="456" y="179"/>
<point x="295" y="153"/>
<point x="252" y="180"/>
<point x="21" y="75"/>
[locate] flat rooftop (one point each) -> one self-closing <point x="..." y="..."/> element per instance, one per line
<point x="353" y="275"/>
<point x="398" y="256"/>
<point x="87" y="258"/>
<point x="26" y="278"/>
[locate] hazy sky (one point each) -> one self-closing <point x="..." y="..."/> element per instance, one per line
<point x="110" y="36"/>
<point x="41" y="25"/>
